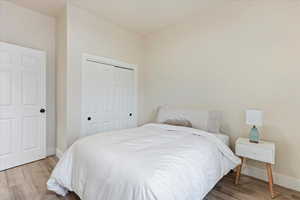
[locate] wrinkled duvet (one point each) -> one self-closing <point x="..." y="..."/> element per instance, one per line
<point x="152" y="162"/>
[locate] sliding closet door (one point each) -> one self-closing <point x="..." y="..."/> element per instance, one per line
<point x="108" y="101"/>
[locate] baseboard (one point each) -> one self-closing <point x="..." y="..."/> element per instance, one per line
<point x="59" y="153"/>
<point x="51" y="151"/>
<point x="279" y="179"/>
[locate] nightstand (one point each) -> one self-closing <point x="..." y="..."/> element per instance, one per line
<point x="262" y="151"/>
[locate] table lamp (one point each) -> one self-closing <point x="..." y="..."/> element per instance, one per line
<point x="254" y="118"/>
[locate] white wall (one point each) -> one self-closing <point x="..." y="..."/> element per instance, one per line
<point x="27" y="28"/>
<point x="61" y="78"/>
<point x="88" y="33"/>
<point x="234" y="57"/>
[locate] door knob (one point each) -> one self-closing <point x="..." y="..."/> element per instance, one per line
<point x="42" y="110"/>
<point x="130" y="114"/>
<point x="89" y="118"/>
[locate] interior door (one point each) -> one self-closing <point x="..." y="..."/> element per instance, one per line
<point x="22" y="105"/>
<point x="108" y="98"/>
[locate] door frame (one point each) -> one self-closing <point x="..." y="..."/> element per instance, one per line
<point x="114" y="63"/>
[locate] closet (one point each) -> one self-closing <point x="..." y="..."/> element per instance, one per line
<point x="108" y="95"/>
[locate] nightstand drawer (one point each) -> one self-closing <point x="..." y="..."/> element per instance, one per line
<point x="260" y="154"/>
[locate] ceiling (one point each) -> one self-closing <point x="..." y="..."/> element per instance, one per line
<point x="48" y="7"/>
<point x="146" y="16"/>
<point x="142" y="16"/>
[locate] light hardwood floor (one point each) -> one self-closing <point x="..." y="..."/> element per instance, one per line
<point x="28" y="182"/>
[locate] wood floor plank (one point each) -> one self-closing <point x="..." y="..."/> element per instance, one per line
<point x="3" y="179"/>
<point x="47" y="166"/>
<point x="23" y="192"/>
<point x="6" y="193"/>
<point x="39" y="177"/>
<point x="47" y="195"/>
<point x="220" y="196"/>
<point x="28" y="176"/>
<point x="15" y="176"/>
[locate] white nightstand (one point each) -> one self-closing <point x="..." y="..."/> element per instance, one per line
<point x="263" y="151"/>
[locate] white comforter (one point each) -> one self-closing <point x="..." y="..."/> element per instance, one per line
<point x="153" y="162"/>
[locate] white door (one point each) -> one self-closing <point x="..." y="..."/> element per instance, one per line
<point x="108" y="97"/>
<point x="22" y="105"/>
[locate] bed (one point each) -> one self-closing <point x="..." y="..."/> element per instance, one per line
<point x="152" y="162"/>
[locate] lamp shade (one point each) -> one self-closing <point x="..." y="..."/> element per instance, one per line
<point x="254" y="117"/>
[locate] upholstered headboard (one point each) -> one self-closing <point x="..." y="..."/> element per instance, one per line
<point x="207" y="120"/>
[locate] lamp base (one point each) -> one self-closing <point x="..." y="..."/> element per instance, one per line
<point x="254" y="135"/>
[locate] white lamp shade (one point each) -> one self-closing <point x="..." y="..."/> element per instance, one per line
<point x="254" y="117"/>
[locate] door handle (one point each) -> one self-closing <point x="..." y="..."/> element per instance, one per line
<point x="130" y="114"/>
<point x="42" y="110"/>
<point x="89" y="118"/>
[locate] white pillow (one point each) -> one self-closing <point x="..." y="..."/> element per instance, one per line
<point x="206" y="120"/>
